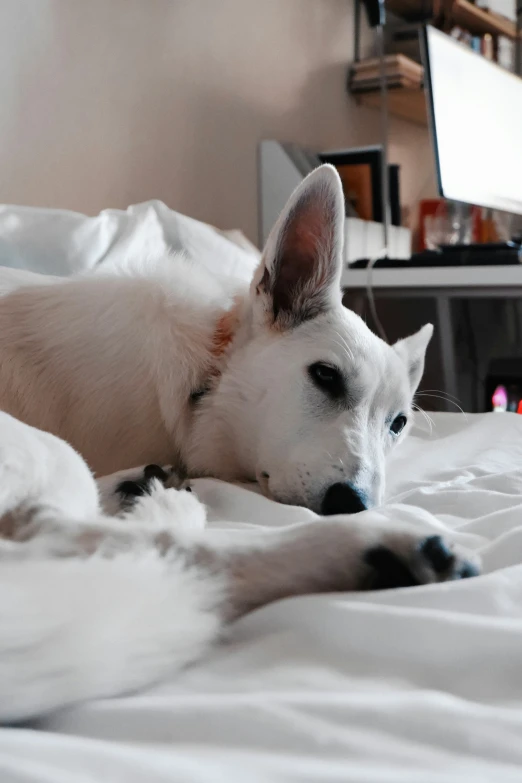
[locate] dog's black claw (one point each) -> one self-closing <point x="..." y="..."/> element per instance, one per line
<point x="142" y="486"/>
<point x="131" y="489"/>
<point x="437" y="553"/>
<point x="155" y="472"/>
<point x="389" y="570"/>
<point x="467" y="570"/>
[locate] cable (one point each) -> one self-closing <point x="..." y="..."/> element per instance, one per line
<point x="385" y="183"/>
<point x="369" y="292"/>
<point x="473" y="353"/>
<point x="377" y="18"/>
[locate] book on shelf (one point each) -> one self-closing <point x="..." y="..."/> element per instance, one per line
<point x="392" y="82"/>
<point x="399" y="71"/>
<point x="498" y="49"/>
<point x="393" y="64"/>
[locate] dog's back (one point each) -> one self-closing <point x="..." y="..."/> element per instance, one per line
<point x="85" y="358"/>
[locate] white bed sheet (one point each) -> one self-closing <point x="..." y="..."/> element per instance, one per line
<point x="422" y="685"/>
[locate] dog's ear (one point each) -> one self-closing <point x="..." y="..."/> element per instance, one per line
<point x="412" y="351"/>
<point x="299" y="274"/>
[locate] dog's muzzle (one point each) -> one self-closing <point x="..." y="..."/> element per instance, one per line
<point x="342" y="498"/>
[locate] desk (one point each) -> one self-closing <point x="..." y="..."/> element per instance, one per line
<point x="441" y="284"/>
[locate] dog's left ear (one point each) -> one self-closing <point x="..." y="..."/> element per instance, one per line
<point x="412" y="351"/>
<point x="300" y="272"/>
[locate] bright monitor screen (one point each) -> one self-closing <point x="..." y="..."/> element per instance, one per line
<point x="475" y="110"/>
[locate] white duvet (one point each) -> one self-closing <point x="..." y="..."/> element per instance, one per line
<point x="415" y="686"/>
<point x="421" y="685"/>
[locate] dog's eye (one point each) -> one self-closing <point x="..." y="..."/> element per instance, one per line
<point x="328" y="379"/>
<point x="398" y="424"/>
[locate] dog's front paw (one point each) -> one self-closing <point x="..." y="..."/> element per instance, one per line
<point x="142" y="483"/>
<point x="177" y="512"/>
<point x="405" y="560"/>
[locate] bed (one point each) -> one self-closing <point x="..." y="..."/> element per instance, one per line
<point x="420" y="685"/>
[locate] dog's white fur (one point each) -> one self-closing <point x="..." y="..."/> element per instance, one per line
<point x="109" y="362"/>
<point x="94" y="606"/>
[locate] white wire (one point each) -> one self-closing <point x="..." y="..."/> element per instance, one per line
<point x="369" y="292"/>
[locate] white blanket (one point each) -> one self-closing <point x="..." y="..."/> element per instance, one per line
<point x="60" y="242"/>
<point x="422" y="685"/>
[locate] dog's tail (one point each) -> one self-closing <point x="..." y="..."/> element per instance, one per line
<point x="81" y="629"/>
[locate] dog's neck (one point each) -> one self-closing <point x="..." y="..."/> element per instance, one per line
<point x="230" y="331"/>
<point x="227" y="329"/>
<point x="216" y="455"/>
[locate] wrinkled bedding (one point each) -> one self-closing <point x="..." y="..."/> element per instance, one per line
<point x="421" y="685"/>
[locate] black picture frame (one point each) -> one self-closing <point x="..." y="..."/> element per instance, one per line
<point x="371" y="156"/>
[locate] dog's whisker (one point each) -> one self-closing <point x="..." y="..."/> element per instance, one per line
<point x="343" y="349"/>
<point x="425" y="415"/>
<point x="335" y="459"/>
<point x="343" y="340"/>
<point x="428" y="418"/>
<point x="341" y="336"/>
<point x="445" y="399"/>
<point x="344" y="345"/>
<point x="440" y="397"/>
<point x="438" y="391"/>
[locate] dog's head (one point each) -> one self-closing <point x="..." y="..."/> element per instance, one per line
<point x="323" y="400"/>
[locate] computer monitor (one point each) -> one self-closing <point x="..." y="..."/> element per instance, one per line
<point x="475" y="115"/>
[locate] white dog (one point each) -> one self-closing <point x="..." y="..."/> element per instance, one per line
<point x="279" y="384"/>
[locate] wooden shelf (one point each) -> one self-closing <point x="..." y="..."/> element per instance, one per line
<point x="461" y="13"/>
<point x="412" y="9"/>
<point x="404" y="102"/>
<point x="409" y="103"/>
<point x="480" y="22"/>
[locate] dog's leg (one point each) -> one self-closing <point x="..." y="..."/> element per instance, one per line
<point x="332" y="555"/>
<point x="337" y="555"/>
<point x="38" y="470"/>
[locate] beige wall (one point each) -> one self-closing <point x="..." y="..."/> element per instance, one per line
<point x="110" y="102"/>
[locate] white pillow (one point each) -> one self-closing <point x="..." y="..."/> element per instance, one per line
<point x="60" y="242"/>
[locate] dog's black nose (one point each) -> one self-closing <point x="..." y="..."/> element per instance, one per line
<point x="342" y="498"/>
